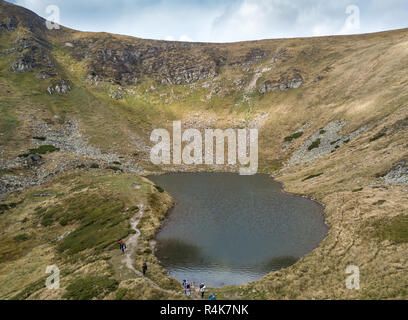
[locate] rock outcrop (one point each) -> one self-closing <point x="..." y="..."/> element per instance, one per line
<point x="323" y="142"/>
<point x="291" y="79"/>
<point x="398" y="175"/>
<point x="9" y="24"/>
<point x="59" y="87"/>
<point x="117" y="94"/>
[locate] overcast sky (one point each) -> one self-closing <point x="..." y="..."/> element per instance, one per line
<point x="226" y="20"/>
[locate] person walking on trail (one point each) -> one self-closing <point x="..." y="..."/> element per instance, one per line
<point x="120" y="243"/>
<point x="144" y="268"/>
<point x="123" y="247"/>
<point x="202" y="290"/>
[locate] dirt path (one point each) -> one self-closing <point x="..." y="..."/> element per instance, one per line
<point x="131" y="244"/>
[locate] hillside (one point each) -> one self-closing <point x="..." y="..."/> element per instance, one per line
<point x="77" y="110"/>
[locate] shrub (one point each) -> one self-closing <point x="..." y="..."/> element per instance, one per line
<point x="134" y="208"/>
<point x="379" y="202"/>
<point x="94" y="166"/>
<point x="312" y="176"/>
<point x="21" y="237"/>
<point x="294" y="136"/>
<point x="48" y="218"/>
<point x="322" y="131"/>
<point x="358" y="190"/>
<point x="378" y="136"/>
<point x="44" y="149"/>
<point x="381" y="174"/>
<point x="24" y="155"/>
<point x="81" y="166"/>
<point x="334" y="142"/>
<point x="40" y="138"/>
<point x="314" y="145"/>
<point x="116" y="169"/>
<point x="7" y="206"/>
<point x="117" y="163"/>
<point x="158" y="188"/>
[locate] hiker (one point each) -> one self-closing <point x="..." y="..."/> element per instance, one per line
<point x="123" y="247"/>
<point x="212" y="296"/>
<point x="120" y="243"/>
<point x="188" y="289"/>
<point x="202" y="290"/>
<point x="185" y="286"/>
<point x="144" y="268"/>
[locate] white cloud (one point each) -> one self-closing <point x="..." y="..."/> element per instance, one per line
<point x="225" y="20"/>
<point x="185" y="38"/>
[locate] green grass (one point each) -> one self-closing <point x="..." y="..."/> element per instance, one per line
<point x="8" y="121"/>
<point x="100" y="218"/>
<point x="102" y="223"/>
<point x="30" y="289"/>
<point x="394" y="229"/>
<point x="90" y="287"/>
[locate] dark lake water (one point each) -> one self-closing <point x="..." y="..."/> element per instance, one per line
<point x="227" y="229"/>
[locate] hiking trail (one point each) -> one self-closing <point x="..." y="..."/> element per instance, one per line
<point x="131" y="247"/>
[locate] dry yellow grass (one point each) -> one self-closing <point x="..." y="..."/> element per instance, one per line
<point x="363" y="81"/>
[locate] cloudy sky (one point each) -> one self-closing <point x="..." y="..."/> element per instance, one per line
<point x="225" y="20"/>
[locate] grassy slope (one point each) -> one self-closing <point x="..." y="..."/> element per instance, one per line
<point x="364" y="81"/>
<point x="96" y="208"/>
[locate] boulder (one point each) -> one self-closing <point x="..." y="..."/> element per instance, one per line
<point x="34" y="160"/>
<point x="59" y="87"/>
<point x="117" y="94"/>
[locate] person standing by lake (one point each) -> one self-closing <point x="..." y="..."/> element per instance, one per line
<point x="185" y="286"/>
<point x="202" y="290"/>
<point x="188" y="286"/>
